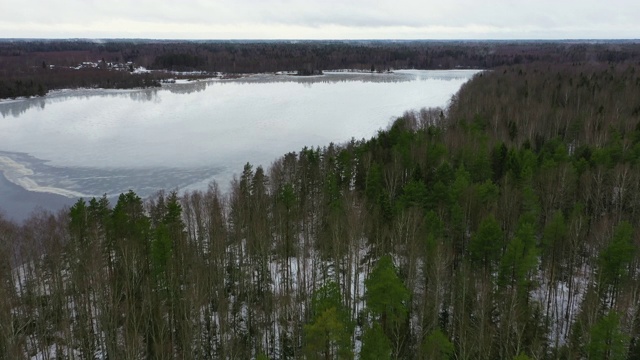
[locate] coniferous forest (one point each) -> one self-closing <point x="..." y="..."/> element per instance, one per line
<point x="505" y="226"/>
<point x="33" y="67"/>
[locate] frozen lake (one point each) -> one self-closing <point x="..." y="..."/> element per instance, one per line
<point x="92" y="142"/>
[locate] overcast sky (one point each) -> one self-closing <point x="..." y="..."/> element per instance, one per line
<point x="321" y="19"/>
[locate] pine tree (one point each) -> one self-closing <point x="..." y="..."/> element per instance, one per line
<point x="387" y="300"/>
<point x="375" y="344"/>
<point x="328" y="335"/>
<point x="608" y="341"/>
<point x="437" y="346"/>
<point x="486" y="243"/>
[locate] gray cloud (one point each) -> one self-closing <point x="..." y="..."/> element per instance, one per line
<point x="320" y="19"/>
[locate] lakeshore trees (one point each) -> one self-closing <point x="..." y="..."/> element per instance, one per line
<point x="503" y="227"/>
<point x="33" y="67"/>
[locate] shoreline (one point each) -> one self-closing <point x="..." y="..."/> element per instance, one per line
<point x="19" y="204"/>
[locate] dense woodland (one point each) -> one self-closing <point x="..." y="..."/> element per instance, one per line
<point x="503" y="227"/>
<point x="33" y="67"/>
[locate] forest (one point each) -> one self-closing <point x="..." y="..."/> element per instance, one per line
<point x="501" y="227"/>
<point x="32" y="67"/>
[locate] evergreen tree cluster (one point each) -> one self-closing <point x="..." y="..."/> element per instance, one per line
<point x="32" y="67"/>
<point x="504" y="226"/>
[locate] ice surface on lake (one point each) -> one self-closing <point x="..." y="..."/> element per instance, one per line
<point x="90" y="142"/>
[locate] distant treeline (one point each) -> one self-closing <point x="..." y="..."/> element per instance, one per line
<point x="25" y="62"/>
<point x="39" y="82"/>
<point x="178" y="62"/>
<point x="503" y="227"/>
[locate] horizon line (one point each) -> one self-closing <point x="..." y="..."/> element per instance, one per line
<point x="320" y="40"/>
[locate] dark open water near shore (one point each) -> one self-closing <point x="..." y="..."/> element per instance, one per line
<point x="17" y="203"/>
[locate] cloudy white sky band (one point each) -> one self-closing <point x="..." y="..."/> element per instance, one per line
<point x="320" y="19"/>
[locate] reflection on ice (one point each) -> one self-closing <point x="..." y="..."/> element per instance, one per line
<point x="18" y="107"/>
<point x="93" y="141"/>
